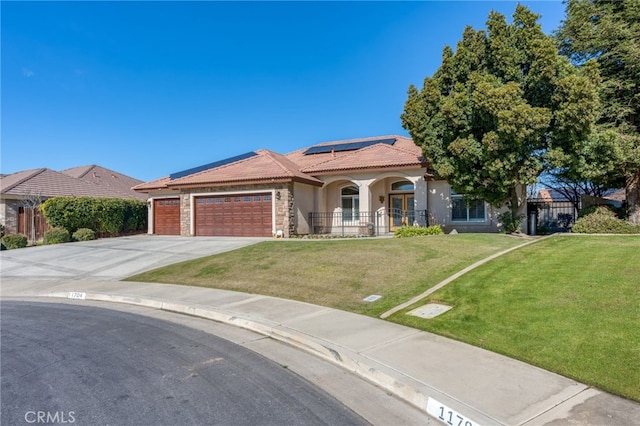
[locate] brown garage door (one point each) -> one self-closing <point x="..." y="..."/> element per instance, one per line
<point x="238" y="215"/>
<point x="166" y="216"/>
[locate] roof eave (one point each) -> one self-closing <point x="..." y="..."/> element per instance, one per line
<point x="367" y="169"/>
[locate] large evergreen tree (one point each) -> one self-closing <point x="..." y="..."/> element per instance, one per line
<point x="609" y="32"/>
<point x="500" y="109"/>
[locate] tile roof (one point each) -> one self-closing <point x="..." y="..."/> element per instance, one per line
<point x="268" y="166"/>
<point x="265" y="166"/>
<point x="106" y="178"/>
<point x="50" y="183"/>
<point x="373" y="157"/>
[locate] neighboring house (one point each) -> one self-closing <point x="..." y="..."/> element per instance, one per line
<point x="367" y="186"/>
<point x="23" y="190"/>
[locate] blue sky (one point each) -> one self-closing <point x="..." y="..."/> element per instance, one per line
<point x="151" y="88"/>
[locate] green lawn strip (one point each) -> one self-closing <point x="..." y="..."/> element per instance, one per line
<point x="337" y="273"/>
<point x="569" y="304"/>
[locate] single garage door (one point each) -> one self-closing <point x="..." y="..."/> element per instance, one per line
<point x="237" y="215"/>
<point x="166" y="216"/>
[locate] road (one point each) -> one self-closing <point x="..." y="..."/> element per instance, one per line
<point x="89" y="365"/>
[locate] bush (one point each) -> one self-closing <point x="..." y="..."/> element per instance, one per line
<point x="510" y="223"/>
<point x="601" y="220"/>
<point x="14" y="241"/>
<point x="417" y="231"/>
<point x="106" y="216"/>
<point x="56" y="236"/>
<point x="84" y="234"/>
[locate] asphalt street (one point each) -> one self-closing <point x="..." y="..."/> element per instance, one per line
<point x="89" y="365"/>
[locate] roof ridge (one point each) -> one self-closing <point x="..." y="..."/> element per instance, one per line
<point x="35" y="173"/>
<point x="89" y="168"/>
<point x="279" y="161"/>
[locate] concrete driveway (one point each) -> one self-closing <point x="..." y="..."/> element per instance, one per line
<point x="111" y="258"/>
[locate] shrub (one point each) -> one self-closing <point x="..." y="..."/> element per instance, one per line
<point x="510" y="223"/>
<point x="56" y="236"/>
<point x="14" y="241"/>
<point x="417" y="231"/>
<point x="601" y="220"/>
<point x="84" y="234"/>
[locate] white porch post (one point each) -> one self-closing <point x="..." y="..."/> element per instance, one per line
<point x="365" y="195"/>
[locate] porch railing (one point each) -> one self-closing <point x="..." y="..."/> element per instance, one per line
<point x="365" y="224"/>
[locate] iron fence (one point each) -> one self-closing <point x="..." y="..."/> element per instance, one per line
<point x="365" y="224"/>
<point x="551" y="216"/>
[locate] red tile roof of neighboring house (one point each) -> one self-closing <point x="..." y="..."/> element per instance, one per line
<point x="268" y="166"/>
<point x="106" y="178"/>
<point x="48" y="183"/>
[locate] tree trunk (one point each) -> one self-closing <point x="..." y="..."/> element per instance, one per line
<point x="633" y="197"/>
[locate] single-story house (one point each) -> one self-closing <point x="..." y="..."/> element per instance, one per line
<point x="21" y="191"/>
<point x="367" y="186"/>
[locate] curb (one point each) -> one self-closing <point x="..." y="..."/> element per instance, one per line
<point x="406" y="388"/>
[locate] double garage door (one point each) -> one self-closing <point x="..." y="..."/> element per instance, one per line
<point x="238" y="215"/>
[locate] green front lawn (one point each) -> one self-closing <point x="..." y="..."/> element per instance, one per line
<point x="569" y="304"/>
<point x="337" y="273"/>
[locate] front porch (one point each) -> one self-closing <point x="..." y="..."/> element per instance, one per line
<point x="364" y="224"/>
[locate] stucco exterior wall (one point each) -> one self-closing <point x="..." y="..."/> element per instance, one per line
<point x="439" y="211"/>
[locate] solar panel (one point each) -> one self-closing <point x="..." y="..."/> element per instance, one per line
<point x="349" y="146"/>
<point x="230" y="160"/>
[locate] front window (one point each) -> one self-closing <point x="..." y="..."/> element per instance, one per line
<point x="350" y="203"/>
<point x="466" y="211"/>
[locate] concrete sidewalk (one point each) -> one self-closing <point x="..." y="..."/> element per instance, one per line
<point x="452" y="380"/>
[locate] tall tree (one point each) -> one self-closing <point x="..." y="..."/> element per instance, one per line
<point x="609" y="32"/>
<point x="501" y="109"/>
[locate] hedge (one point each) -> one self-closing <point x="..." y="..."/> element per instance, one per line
<point x="417" y="231"/>
<point x="106" y="216"/>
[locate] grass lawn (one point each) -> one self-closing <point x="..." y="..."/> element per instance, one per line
<point x="569" y="304"/>
<point x="337" y="273"/>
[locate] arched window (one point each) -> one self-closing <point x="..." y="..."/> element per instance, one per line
<point x="350" y="203"/>
<point x="403" y="185"/>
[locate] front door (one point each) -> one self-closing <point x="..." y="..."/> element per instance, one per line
<point x="401" y="210"/>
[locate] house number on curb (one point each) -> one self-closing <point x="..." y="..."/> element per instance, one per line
<point x="446" y="415"/>
<point x="77" y="295"/>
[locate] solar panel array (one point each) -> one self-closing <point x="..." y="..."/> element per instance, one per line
<point x="209" y="166"/>
<point x="349" y="146"/>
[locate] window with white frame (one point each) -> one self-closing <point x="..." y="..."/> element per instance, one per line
<point x="350" y="203"/>
<point x="466" y="211"/>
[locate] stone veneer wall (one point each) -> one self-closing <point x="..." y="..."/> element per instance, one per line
<point x="9" y="216"/>
<point x="285" y="214"/>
